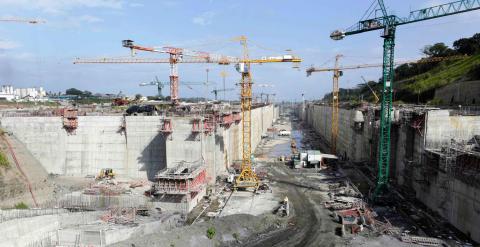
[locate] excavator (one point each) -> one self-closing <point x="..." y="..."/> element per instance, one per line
<point x="106" y="173"/>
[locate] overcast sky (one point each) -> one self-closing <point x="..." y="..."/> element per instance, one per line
<point x="42" y="55"/>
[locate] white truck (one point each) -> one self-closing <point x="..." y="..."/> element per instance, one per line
<point x="284" y="133"/>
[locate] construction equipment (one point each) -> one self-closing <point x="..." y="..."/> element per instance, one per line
<point x="160" y="85"/>
<point x="375" y="65"/>
<point x="216" y="91"/>
<point x="223" y="74"/>
<point x="389" y="24"/>
<point x="248" y="178"/>
<point x="371" y="89"/>
<point x="338" y="71"/>
<point x="105" y="173"/>
<point x="176" y="55"/>
<point x="267" y="98"/>
<point x="29" y="21"/>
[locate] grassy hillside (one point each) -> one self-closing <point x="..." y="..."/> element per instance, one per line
<point x="445" y="73"/>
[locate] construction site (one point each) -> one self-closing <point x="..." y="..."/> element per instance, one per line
<point x="393" y="162"/>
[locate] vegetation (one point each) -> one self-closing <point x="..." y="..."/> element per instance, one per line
<point x="445" y="73"/>
<point x="3" y="160"/>
<point x="21" y="205"/>
<point x="416" y="82"/>
<point x="77" y="92"/>
<point x="211" y="232"/>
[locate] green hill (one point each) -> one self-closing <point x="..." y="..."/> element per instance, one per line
<point x="417" y="82"/>
<point x="443" y="74"/>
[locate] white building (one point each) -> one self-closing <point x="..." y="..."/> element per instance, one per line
<point x="7" y="92"/>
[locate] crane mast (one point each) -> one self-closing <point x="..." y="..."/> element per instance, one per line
<point x="389" y="24"/>
<point x="335" y="104"/>
<point x="248" y="178"/>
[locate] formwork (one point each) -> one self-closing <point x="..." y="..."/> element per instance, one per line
<point x="183" y="184"/>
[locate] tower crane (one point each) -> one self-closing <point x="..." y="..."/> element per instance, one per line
<point x="247" y="177"/>
<point x="371" y="89"/>
<point x="388" y="23"/>
<point x="176" y="56"/>
<point x="267" y="98"/>
<point x="216" y="91"/>
<point x="374" y="65"/>
<point x="29" y="21"/>
<point x="338" y="72"/>
<point x="160" y="85"/>
<point x="224" y="75"/>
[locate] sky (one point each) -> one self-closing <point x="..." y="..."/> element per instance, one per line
<point x="43" y="54"/>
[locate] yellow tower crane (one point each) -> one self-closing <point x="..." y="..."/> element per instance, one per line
<point x="338" y="72"/>
<point x="247" y="177"/>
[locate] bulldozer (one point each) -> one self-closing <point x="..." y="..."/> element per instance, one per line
<point x="106" y="173"/>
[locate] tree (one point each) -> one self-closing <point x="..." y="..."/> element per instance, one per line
<point x="87" y="93"/>
<point x="73" y="91"/>
<point x="437" y="50"/>
<point x="138" y="96"/>
<point x="468" y="46"/>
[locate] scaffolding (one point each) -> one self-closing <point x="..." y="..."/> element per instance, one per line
<point x="182" y="179"/>
<point x="166" y="127"/>
<point x="70" y="120"/>
<point x="226" y="120"/>
<point x="237" y="117"/>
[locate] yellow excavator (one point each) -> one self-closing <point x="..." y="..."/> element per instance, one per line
<point x="106" y="173"/>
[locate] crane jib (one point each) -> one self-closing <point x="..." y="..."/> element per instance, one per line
<point x="414" y="16"/>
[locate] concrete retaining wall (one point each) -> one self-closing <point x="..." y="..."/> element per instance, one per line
<point x="441" y="128"/>
<point x="138" y="152"/>
<point x="456" y="201"/>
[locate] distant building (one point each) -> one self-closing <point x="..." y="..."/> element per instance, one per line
<point x="7" y="92"/>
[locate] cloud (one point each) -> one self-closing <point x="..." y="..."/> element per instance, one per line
<point x="7" y="45"/>
<point x="72" y="22"/>
<point x="89" y="19"/>
<point x="204" y="19"/>
<point x="136" y="5"/>
<point x="60" y="6"/>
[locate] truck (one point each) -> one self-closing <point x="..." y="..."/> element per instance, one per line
<point x="284" y="132"/>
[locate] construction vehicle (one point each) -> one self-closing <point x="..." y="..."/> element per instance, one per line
<point x="105" y="173"/>
<point x="247" y="177"/>
<point x="120" y="102"/>
<point x="388" y="23"/>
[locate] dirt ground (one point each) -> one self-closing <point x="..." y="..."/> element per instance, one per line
<point x="245" y="218"/>
<point x="309" y="223"/>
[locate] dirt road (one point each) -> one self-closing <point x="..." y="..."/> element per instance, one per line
<point x="311" y="224"/>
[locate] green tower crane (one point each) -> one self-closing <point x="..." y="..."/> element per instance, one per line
<point x="389" y="24"/>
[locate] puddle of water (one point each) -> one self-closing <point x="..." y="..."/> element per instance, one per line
<point x="284" y="148"/>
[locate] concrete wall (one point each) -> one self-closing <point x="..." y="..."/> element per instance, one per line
<point x="21" y="232"/>
<point x="97" y="143"/>
<point x="441" y="128"/>
<point x="351" y="143"/>
<point x="456" y="201"/>
<point x="219" y="150"/>
<point x="140" y="151"/>
<point x="465" y="93"/>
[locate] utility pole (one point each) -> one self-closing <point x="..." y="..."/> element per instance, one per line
<point x="223" y="74"/>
